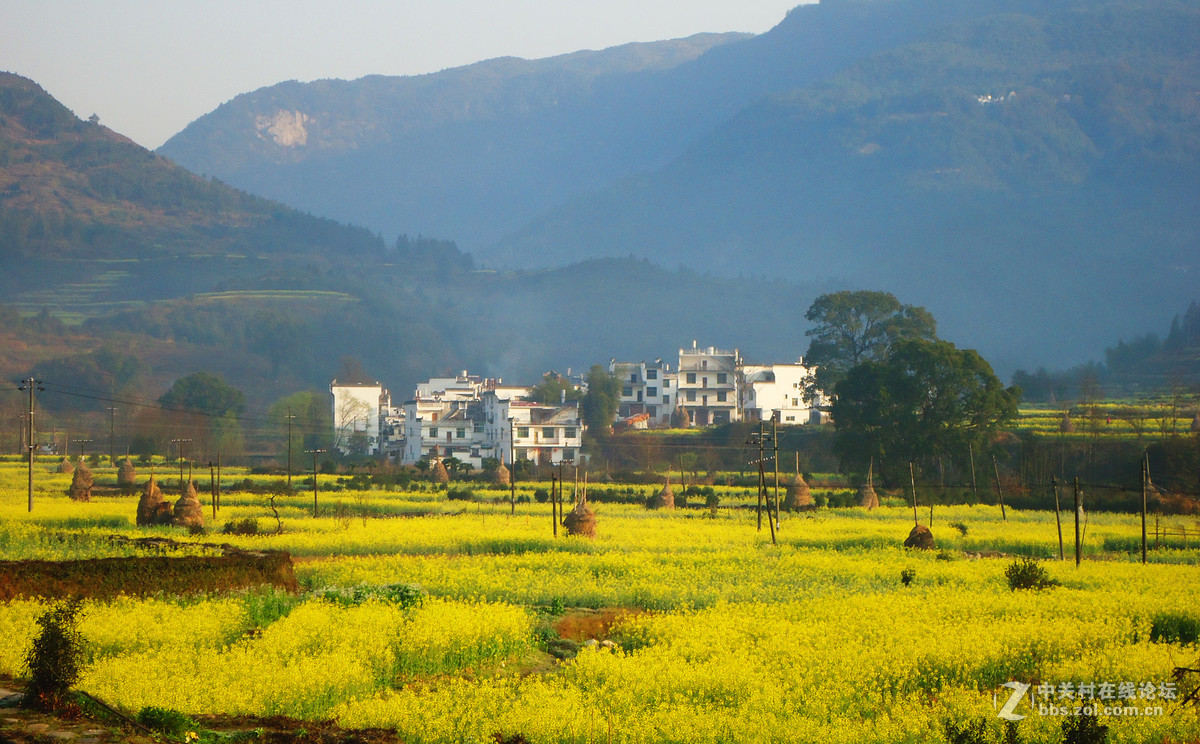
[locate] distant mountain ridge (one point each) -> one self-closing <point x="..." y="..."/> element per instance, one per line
<point x="76" y="189"/>
<point x="475" y="152"/>
<point x="116" y="264"/>
<point x="476" y="149"/>
<point x="1028" y="169"/>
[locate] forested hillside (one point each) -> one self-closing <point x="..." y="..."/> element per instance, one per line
<point x="74" y="189"/>
<point x="131" y="272"/>
<point x="1032" y="179"/>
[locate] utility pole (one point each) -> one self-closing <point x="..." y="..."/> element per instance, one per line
<point x="1079" y="546"/>
<point x="775" y="457"/>
<point x="212" y="485"/>
<point x="83" y="448"/>
<point x="1145" y="488"/>
<point x="974" y="483"/>
<point x="112" y="457"/>
<point x="180" y="443"/>
<point x="999" y="491"/>
<point x="553" y="505"/>
<point x="760" y="440"/>
<point x="512" y="450"/>
<point x="912" y="479"/>
<point x="1057" y="517"/>
<point x="314" y="453"/>
<point x="31" y="385"/>
<point x="289" y="420"/>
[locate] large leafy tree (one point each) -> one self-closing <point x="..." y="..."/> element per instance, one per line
<point x="926" y="399"/>
<point x="312" y="425"/>
<point x="850" y="328"/>
<point x="599" y="405"/>
<point x="552" y="388"/>
<point x="202" y="392"/>
<point x="205" y="408"/>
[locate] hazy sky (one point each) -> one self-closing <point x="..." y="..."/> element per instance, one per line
<point x="149" y="67"/>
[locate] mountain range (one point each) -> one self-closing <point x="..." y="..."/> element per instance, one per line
<point x="1026" y="169"/>
<point x="136" y="272"/>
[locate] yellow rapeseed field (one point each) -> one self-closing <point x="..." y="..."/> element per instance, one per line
<point x="729" y="638"/>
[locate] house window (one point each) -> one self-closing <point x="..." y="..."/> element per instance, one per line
<point x="570" y="433"/>
<point x="547" y="432"/>
<point x="666" y="400"/>
<point x="435" y="416"/>
<point x="720" y="396"/>
<point x="721" y="377"/>
<point x="704" y="381"/>
<point x="461" y="432"/>
<point x="691" y="395"/>
<point x="478" y="428"/>
<point x="666" y="384"/>
<point x="633" y="377"/>
<point x="691" y="378"/>
<point x="789" y="418"/>
<point x="568" y="454"/>
<point x="627" y="392"/>
<point x="652" y="374"/>
<point x="433" y="432"/>
<point x="795" y="402"/>
<point x="522" y="431"/>
<point x="651" y="392"/>
<point x="704" y="364"/>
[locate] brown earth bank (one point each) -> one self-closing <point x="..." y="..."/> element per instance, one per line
<point x="105" y="578"/>
<point x="92" y="724"/>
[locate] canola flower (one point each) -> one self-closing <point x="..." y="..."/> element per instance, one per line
<point x="814" y="639"/>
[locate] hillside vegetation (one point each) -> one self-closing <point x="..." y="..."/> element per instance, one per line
<point x="75" y="189"/>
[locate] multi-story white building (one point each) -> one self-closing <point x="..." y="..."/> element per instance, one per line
<point x="646" y="388"/>
<point x="521" y="430"/>
<point x="708" y="384"/>
<point x="468" y="419"/>
<point x="358" y="411"/>
<point x="777" y="390"/>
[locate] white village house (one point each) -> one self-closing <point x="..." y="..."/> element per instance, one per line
<point x="359" y="411"/>
<point x="777" y="391"/>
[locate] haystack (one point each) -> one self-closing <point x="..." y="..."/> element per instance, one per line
<point x="1066" y="426"/>
<point x="127" y="476"/>
<point x="151" y="508"/>
<point x="81" y="483"/>
<point x="65" y="466"/>
<point x="665" y="498"/>
<point x="440" y="474"/>
<point x="188" y="512"/>
<point x="503" y="477"/>
<point x="921" y="538"/>
<point x="867" y="498"/>
<point x="798" y="494"/>
<point x="581" y="520"/>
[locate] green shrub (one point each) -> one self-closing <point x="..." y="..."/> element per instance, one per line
<point x="166" y="721"/>
<point x="460" y="494"/>
<point x="403" y="595"/>
<point x="55" y="659"/>
<point x="243" y="527"/>
<point x="541" y="495"/>
<point x="1026" y="573"/>
<point x="962" y="528"/>
<point x="973" y="731"/>
<point x="1084" y="730"/>
<point x="907" y="576"/>
<point x="1174" y="627"/>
